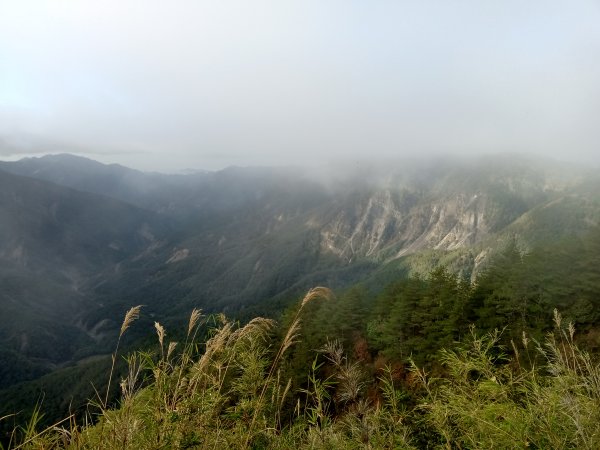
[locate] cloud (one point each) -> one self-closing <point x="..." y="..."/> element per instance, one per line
<point x="206" y="84"/>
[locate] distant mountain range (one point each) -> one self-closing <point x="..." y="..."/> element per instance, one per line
<point x="81" y="241"/>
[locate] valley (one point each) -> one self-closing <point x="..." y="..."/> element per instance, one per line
<point x="82" y="242"/>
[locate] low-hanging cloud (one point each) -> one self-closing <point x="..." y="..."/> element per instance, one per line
<point x="167" y="85"/>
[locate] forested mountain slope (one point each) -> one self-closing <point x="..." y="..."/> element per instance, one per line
<point x="56" y="242"/>
<point x="247" y="241"/>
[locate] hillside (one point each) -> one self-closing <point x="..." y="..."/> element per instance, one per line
<point x="401" y="370"/>
<point x="56" y="242"/>
<point x="83" y="242"/>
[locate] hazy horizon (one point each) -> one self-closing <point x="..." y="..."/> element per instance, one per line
<point x="352" y="167"/>
<point x="206" y="85"/>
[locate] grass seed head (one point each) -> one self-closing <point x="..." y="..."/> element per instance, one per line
<point x="130" y="316"/>
<point x="172" y="346"/>
<point x="194" y="318"/>
<point x="317" y="292"/>
<point x="160" y="331"/>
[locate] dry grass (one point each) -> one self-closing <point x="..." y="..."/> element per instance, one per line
<point x="290" y="337"/>
<point x="233" y="393"/>
<point x="130" y="316"/>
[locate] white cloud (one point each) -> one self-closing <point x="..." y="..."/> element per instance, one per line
<point x="206" y="84"/>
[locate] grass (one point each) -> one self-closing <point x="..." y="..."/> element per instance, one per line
<point x="490" y="400"/>
<point x="232" y="391"/>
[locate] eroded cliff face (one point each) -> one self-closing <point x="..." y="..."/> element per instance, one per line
<point x="387" y="225"/>
<point x="442" y="211"/>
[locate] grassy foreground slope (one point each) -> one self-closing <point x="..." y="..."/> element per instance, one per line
<point x="234" y="391"/>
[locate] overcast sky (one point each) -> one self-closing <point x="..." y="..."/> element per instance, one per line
<point x="167" y="85"/>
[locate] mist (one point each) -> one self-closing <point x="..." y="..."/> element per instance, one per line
<point x="204" y="85"/>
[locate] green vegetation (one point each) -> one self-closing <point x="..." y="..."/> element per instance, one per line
<point x="410" y="357"/>
<point x="84" y="241"/>
<point x="233" y="391"/>
<point x="351" y="365"/>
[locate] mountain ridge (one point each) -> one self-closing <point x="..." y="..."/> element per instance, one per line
<point x="243" y="239"/>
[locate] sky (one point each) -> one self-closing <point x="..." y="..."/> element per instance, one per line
<point x="172" y="85"/>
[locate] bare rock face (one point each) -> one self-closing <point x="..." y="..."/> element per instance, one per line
<point x="401" y="218"/>
<point x="363" y="228"/>
<point x="400" y="211"/>
<point x="388" y="225"/>
<point x="178" y="255"/>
